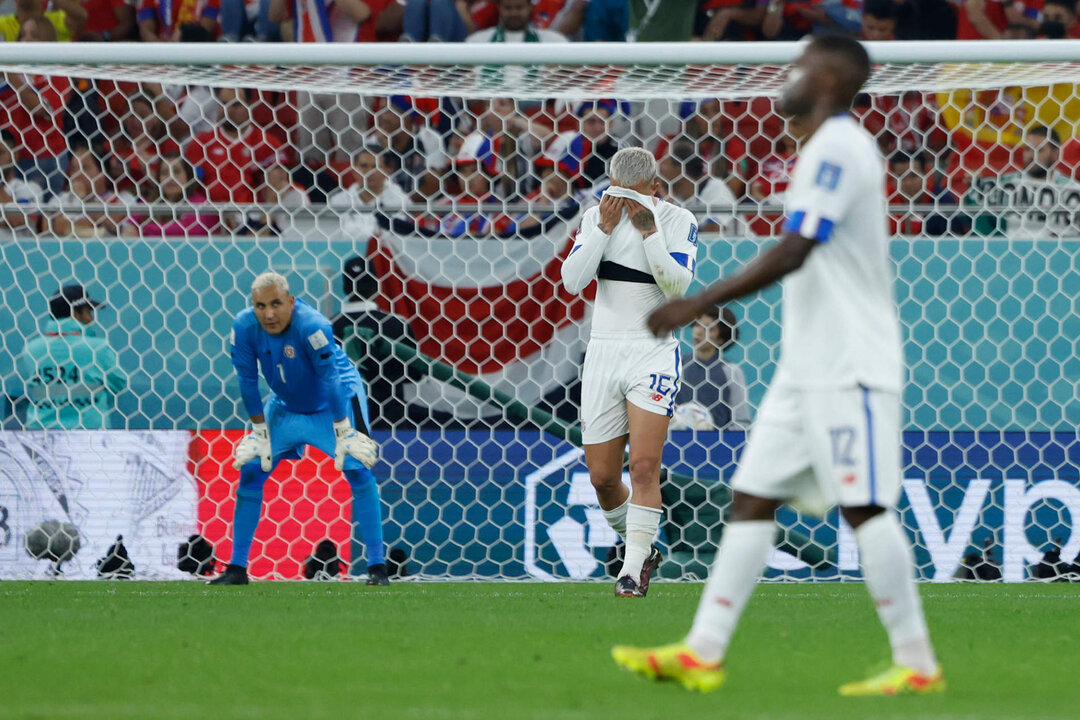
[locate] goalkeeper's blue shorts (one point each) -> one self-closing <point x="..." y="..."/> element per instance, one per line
<point x="291" y="431"/>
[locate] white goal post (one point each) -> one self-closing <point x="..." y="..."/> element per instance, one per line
<point x="659" y="69"/>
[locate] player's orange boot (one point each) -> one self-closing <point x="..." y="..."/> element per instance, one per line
<point x="897" y="680"/>
<point x="671" y="662"/>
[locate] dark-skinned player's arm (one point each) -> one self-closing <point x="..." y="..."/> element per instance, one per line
<point x="784" y="257"/>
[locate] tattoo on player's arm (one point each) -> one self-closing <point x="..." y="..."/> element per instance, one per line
<point x="643" y="220"/>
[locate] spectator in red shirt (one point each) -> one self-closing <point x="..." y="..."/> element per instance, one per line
<point x="138" y="149"/>
<point x="1018" y="32"/>
<point x="230" y="159"/>
<point x="729" y="20"/>
<point x="36" y="109"/>
<point x="108" y="20"/>
<point x="330" y="20"/>
<point x="908" y="122"/>
<point x="792" y="19"/>
<point x="987" y="19"/>
<point x="162" y="20"/>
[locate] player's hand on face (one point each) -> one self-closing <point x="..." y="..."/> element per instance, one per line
<point x="641" y="217"/>
<point x="611" y="210"/>
<point x="350" y="441"/>
<point x="255" y="444"/>
<point x="672" y="315"/>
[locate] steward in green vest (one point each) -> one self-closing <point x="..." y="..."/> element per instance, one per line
<point x="71" y="378"/>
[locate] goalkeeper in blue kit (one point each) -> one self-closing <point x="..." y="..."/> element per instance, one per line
<point x="316" y="398"/>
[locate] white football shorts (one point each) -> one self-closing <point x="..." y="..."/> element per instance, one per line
<point x="644" y="371"/>
<point x="824" y="447"/>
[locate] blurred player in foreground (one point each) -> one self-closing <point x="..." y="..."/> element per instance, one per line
<point x="316" y="398"/>
<point x="828" y="432"/>
<point x="642" y="250"/>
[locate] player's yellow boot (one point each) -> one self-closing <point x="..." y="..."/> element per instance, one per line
<point x="670" y="662"/>
<point x="897" y="680"/>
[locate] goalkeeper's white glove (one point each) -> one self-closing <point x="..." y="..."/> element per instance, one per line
<point x="256" y="444"/>
<point x="351" y="441"/>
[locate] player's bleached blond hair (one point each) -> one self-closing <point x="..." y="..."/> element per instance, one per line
<point x="633" y="166"/>
<point x="270" y="279"/>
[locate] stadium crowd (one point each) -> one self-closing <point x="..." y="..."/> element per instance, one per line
<point x="70" y="141"/>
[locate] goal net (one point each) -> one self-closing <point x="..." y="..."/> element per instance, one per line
<point x="423" y="198"/>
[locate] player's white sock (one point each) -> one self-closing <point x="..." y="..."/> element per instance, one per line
<point x="740" y="559"/>
<point x="616" y="517"/>
<point x="641" y="524"/>
<point x="888" y="569"/>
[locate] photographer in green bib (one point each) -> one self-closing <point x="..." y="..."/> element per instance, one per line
<point x="70" y="375"/>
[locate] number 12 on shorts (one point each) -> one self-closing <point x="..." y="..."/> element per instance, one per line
<point x="843" y="445"/>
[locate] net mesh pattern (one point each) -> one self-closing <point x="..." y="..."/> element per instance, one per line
<point x="426" y="211"/>
<point x="575" y="82"/>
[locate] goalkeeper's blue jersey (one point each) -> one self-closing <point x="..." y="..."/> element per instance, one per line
<point x="303" y="365"/>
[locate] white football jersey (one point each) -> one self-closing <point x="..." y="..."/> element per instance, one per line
<point x="634" y="277"/>
<point x="840" y="325"/>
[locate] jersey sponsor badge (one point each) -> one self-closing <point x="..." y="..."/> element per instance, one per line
<point x="692" y="237"/>
<point x="828" y="176"/>
<point x="290" y="352"/>
<point x="318" y="340"/>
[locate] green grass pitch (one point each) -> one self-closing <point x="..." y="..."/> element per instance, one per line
<point x="506" y="650"/>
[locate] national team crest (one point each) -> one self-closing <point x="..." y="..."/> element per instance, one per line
<point x="290" y="352"/>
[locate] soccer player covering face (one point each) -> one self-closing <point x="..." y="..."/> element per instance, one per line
<point x="642" y="251"/>
<point x="316" y="398"/>
<point x="828" y="429"/>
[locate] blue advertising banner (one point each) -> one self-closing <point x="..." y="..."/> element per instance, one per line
<point x="519" y="504"/>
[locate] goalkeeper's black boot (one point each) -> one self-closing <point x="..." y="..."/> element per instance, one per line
<point x="650" y="565"/>
<point x="233" y="575"/>
<point x="376" y="575"/>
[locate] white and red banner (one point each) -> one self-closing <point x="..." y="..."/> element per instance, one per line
<point x="105" y="483"/>
<point x="492" y="308"/>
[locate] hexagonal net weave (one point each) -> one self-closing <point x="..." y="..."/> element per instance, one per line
<point x="426" y="209"/>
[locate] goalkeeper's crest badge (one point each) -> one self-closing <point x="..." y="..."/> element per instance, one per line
<point x="290" y="352"/>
